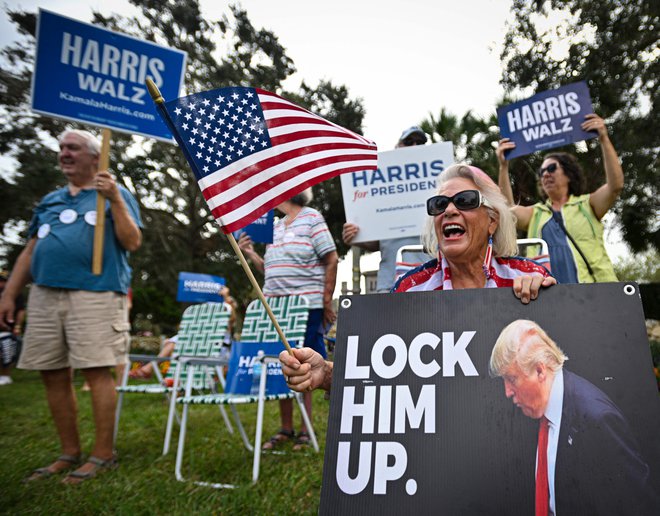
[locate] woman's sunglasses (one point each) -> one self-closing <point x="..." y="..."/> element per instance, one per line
<point x="550" y="169"/>
<point x="465" y="200"/>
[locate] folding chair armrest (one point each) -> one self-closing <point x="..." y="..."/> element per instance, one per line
<point x="188" y="361"/>
<point x="148" y="358"/>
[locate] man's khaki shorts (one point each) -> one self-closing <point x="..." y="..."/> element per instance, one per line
<point x="74" y="328"/>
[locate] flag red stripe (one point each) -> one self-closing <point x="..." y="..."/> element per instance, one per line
<point x="313" y="133"/>
<point x="285" y="120"/>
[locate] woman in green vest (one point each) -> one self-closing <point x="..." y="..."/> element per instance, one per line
<point x="570" y="218"/>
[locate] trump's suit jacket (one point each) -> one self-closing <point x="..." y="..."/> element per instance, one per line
<point x="599" y="468"/>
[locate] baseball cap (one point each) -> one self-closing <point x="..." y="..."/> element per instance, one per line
<point x="413" y="136"/>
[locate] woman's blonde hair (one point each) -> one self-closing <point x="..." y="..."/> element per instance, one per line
<point x="504" y="238"/>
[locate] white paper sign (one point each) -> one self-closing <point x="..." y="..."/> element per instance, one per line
<point x="390" y="202"/>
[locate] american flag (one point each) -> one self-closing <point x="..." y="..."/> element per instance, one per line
<point x="251" y="150"/>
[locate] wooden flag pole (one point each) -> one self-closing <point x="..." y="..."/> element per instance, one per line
<point x="159" y="101"/>
<point x="99" y="228"/>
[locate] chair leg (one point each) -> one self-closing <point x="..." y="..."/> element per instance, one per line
<point x="226" y="419"/>
<point x="241" y="429"/>
<point x="120" y="399"/>
<point x="223" y="412"/>
<point x="260" y="423"/>
<point x="172" y="412"/>
<point x="180" y="451"/>
<point x="308" y="422"/>
<point x="257" y="438"/>
<point x="182" y="442"/>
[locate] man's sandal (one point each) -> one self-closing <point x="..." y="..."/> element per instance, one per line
<point x="98" y="466"/>
<point x="46" y="472"/>
<point x="302" y="441"/>
<point x="278" y="439"/>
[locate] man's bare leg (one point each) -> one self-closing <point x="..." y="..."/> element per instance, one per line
<point x="64" y="411"/>
<point x="104" y="401"/>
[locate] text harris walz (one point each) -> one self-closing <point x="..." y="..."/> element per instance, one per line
<point x="547" y="117"/>
<point x="113" y="63"/>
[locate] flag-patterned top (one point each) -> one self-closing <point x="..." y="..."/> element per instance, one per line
<point x="434" y="275"/>
<point x="251" y="150"/>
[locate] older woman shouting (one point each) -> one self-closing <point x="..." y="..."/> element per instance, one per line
<point x="473" y="230"/>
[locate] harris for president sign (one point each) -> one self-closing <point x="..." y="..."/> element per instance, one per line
<point x="390" y="202"/>
<point x="549" y="119"/>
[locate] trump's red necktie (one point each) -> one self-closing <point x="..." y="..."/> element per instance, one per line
<point x="542" y="490"/>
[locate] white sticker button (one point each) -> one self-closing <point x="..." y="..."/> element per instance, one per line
<point x="68" y="216"/>
<point x="90" y="217"/>
<point x="43" y="231"/>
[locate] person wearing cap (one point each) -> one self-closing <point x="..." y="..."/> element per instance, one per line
<point x="474" y="231"/>
<point x="388" y="248"/>
<point x="77" y="319"/>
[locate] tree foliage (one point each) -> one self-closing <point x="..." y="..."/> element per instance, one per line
<point x="472" y="136"/>
<point x="614" y="46"/>
<point x="179" y="232"/>
<point x="642" y="268"/>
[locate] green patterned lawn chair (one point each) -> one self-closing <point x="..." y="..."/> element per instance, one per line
<point x="201" y="333"/>
<point x="291" y="313"/>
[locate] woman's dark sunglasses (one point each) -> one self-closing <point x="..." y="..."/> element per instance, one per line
<point x="465" y="200"/>
<point x="550" y="169"/>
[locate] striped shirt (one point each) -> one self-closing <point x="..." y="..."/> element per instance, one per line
<point x="434" y="276"/>
<point x="293" y="263"/>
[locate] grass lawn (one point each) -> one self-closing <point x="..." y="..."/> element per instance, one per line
<point x="289" y="483"/>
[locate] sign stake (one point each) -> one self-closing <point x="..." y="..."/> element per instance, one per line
<point x="99" y="228"/>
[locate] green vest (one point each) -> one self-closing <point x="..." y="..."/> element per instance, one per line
<point x="582" y="224"/>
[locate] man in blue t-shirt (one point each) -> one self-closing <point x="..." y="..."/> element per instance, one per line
<point x="77" y="320"/>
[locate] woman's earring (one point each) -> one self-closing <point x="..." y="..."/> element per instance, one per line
<point x="488" y="257"/>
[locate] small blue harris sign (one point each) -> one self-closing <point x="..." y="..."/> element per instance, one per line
<point x="549" y="119"/>
<point x="241" y="377"/>
<point x="261" y="230"/>
<point x="199" y="288"/>
<point x="95" y="76"/>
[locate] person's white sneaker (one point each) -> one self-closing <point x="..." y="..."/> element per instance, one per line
<point x="5" y="380"/>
